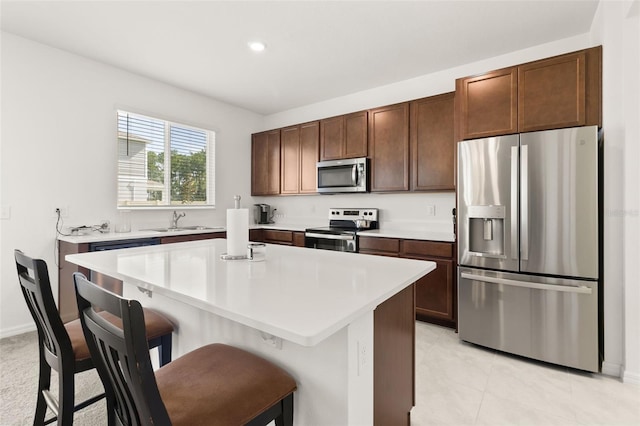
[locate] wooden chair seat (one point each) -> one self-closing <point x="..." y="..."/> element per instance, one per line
<point x="156" y="326"/>
<point x="220" y="385"/>
<point x="214" y="385"/>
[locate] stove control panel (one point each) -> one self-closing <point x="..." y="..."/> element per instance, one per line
<point x="353" y="214"/>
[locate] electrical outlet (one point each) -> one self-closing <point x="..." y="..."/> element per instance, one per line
<point x="63" y="211"/>
<point x="431" y="210"/>
<point x="362" y="357"/>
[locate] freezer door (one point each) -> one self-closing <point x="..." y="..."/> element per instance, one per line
<point x="488" y="203"/>
<point x="548" y="319"/>
<point x="559" y="202"/>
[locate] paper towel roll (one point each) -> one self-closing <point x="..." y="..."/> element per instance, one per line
<point x="237" y="232"/>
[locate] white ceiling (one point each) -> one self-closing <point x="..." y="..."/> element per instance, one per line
<point x="316" y="50"/>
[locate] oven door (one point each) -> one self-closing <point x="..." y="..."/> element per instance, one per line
<point x="336" y="242"/>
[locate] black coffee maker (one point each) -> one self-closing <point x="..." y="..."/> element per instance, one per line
<point x="263" y="213"/>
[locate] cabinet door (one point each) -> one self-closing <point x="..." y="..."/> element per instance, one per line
<point x="379" y="246"/>
<point x="434" y="291"/>
<point x="290" y="160"/>
<point x="331" y="138"/>
<point x="265" y="163"/>
<point x="276" y="236"/>
<point x="309" y="145"/>
<point x="67" y="305"/>
<point x="489" y="103"/>
<point x="355" y="137"/>
<point x="298" y="239"/>
<point x="432" y="143"/>
<point x="551" y="93"/>
<point x="192" y="237"/>
<point x="389" y="147"/>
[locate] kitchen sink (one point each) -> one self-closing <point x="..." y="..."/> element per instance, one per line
<point x="186" y="228"/>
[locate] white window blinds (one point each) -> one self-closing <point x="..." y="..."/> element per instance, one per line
<point x="161" y="163"/>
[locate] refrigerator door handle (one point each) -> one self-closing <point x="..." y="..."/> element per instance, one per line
<point x="524" y="203"/>
<point x="514" y="202"/>
<point x="527" y="284"/>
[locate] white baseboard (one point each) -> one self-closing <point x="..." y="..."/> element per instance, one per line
<point x="631" y="377"/>
<point x="14" y="331"/>
<point x="610" y="369"/>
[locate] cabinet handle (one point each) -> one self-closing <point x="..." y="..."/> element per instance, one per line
<point x="527" y="284"/>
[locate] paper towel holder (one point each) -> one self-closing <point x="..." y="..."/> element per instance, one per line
<point x="225" y="256"/>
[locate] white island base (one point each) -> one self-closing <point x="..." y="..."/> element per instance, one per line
<point x="341" y="324"/>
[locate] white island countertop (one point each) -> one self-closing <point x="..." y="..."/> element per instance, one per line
<point x="298" y="294"/>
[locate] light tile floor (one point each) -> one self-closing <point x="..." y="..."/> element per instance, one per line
<point x="458" y="383"/>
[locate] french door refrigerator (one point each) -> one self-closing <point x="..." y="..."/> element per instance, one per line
<point x="529" y="245"/>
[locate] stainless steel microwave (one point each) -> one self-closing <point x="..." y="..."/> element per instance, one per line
<point x="349" y="175"/>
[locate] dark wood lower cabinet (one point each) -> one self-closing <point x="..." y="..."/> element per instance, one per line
<point x="394" y="359"/>
<point x="435" y="292"/>
<point x="277" y="236"/>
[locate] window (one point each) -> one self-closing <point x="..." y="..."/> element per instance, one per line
<point x="164" y="164"/>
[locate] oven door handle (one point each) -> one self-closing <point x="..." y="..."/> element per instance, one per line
<point x="330" y="236"/>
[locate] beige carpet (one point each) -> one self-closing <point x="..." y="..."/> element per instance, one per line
<point x="19" y="383"/>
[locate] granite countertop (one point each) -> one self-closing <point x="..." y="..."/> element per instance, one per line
<point x="301" y="295"/>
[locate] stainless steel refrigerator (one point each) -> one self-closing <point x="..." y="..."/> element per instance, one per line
<point x="529" y="245"/>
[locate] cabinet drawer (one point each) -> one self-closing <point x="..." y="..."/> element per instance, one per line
<point x="418" y="248"/>
<point x="379" y="245"/>
<point x="192" y="237"/>
<point x="277" y="236"/>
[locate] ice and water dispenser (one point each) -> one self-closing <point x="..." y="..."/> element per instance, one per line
<point x="487" y="230"/>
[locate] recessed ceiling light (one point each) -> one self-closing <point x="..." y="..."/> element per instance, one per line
<point x="257" y="46"/>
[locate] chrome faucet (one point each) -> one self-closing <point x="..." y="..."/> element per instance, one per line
<point x="176" y="217"/>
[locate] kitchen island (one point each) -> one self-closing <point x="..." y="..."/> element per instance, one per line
<point x="340" y="323"/>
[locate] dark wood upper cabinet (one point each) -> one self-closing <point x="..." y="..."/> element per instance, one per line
<point x="432" y="143"/>
<point x="389" y="147"/>
<point x="299" y="155"/>
<point x="265" y="163"/>
<point x="290" y="160"/>
<point x="355" y="135"/>
<point x="344" y="136"/>
<point x="489" y="103"/>
<point x="553" y="93"/>
<point x="309" y="154"/>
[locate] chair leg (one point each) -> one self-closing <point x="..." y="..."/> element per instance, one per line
<point x="164" y="351"/>
<point x="286" y="418"/>
<point x="66" y="391"/>
<point x="44" y="382"/>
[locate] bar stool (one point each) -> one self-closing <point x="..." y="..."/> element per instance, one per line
<point x="63" y="347"/>
<point x="213" y="385"/>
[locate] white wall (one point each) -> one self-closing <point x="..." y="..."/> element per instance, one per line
<point x="614" y="27"/>
<point x="59" y="150"/>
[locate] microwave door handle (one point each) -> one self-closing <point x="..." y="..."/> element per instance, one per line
<point x="354" y="174"/>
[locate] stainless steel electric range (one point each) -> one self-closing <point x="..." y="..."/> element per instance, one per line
<point x="342" y="232"/>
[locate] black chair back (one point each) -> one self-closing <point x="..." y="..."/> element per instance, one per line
<point x="53" y="338"/>
<point x="121" y="356"/>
